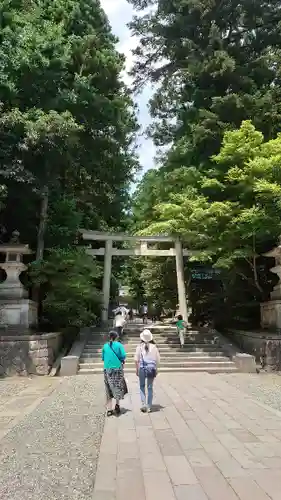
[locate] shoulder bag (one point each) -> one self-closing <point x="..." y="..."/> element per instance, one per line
<point x="150" y="370"/>
<point x="125" y="386"/>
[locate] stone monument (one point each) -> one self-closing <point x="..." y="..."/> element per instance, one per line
<point x="16" y="309"/>
<point x="271" y="310"/>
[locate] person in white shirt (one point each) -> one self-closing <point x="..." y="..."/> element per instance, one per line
<point x="144" y="313"/>
<point x="147" y="359"/>
<point x="121" y="309"/>
<point x="119" y="322"/>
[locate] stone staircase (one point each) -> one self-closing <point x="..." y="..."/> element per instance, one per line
<point x="201" y="353"/>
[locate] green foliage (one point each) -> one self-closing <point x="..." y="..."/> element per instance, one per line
<point x="70" y="280"/>
<point x="64" y="222"/>
<point x="67" y="129"/>
<point x="241" y="220"/>
<point x="35" y="143"/>
<point x="59" y="68"/>
<point x="215" y="64"/>
<point x="160" y="282"/>
<point x="131" y="277"/>
<point x="248" y="213"/>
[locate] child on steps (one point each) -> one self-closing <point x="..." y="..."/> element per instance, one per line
<point x="181" y="325"/>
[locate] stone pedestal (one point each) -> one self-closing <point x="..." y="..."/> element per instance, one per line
<point x="271" y="315"/>
<point x="21" y="312"/>
<point x="271" y="310"/>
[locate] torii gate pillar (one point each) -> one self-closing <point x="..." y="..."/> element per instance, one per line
<point x="181" y="281"/>
<point x="106" y="280"/>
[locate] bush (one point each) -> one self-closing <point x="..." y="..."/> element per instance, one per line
<point x="68" y="279"/>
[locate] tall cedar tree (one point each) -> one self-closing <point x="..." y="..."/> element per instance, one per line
<point x="67" y="120"/>
<point x="216" y="63"/>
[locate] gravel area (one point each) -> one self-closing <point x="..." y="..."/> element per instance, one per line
<point x="52" y="453"/>
<point x="264" y="387"/>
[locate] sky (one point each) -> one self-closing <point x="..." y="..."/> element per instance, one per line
<point x="119" y="13"/>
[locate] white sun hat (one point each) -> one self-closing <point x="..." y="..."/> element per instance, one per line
<point x="146" y="336"/>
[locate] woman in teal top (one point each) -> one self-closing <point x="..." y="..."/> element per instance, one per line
<point x="113" y="356"/>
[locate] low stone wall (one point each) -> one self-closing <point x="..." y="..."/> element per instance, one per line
<point x="265" y="346"/>
<point x="28" y="354"/>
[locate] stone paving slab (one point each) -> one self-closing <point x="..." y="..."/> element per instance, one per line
<point x="206" y="440"/>
<point x="211" y="437"/>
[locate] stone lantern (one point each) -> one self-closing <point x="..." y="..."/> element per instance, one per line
<point x="271" y="310"/>
<point x="15" y="307"/>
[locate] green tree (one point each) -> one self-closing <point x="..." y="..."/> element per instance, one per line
<point x="215" y="64"/>
<point x="59" y="57"/>
<point x="67" y="128"/>
<point x="75" y="299"/>
<point x="233" y="232"/>
<point x="34" y="147"/>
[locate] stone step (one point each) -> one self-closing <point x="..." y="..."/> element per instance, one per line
<point x="166" y="362"/>
<point x="155" y="335"/>
<point x="156" y="338"/>
<point x="164" y="369"/>
<point x="164" y="355"/>
<point x="204" y="362"/>
<point x="163" y="339"/>
<point x="201" y="353"/>
<point x="162" y="345"/>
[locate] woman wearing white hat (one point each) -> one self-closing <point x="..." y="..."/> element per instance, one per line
<point x="147" y="359"/>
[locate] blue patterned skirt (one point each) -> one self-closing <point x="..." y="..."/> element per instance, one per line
<point x="115" y="384"/>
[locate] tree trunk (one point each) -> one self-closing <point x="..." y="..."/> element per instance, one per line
<point x="41" y="239"/>
<point x="42" y="224"/>
<point x="255" y="271"/>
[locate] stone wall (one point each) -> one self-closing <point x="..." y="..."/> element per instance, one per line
<point x="265" y="346"/>
<point x="28" y="354"/>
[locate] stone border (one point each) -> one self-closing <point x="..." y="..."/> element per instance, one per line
<point x="265" y="346"/>
<point x="29" y="354"/>
<point x="70" y="364"/>
<point x="244" y="362"/>
<point x="43" y="336"/>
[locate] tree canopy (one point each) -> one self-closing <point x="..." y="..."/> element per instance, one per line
<point x="215" y="64"/>
<point x="67" y="123"/>
<point x="215" y="70"/>
<point x="231" y="229"/>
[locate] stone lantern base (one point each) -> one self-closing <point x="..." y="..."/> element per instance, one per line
<point x="21" y="312"/>
<point x="271" y="314"/>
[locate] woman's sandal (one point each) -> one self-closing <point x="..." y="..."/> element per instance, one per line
<point x="109" y="413"/>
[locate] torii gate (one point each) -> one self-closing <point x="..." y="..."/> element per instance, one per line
<point x="140" y="249"/>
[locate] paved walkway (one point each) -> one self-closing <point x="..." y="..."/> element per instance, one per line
<point x="210" y="438"/>
<point x="207" y="440"/>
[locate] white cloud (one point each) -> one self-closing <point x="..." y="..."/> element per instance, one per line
<point x="120" y="13"/>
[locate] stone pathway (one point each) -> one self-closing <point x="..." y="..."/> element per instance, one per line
<point x="211" y="437"/>
<point x="207" y="440"/>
